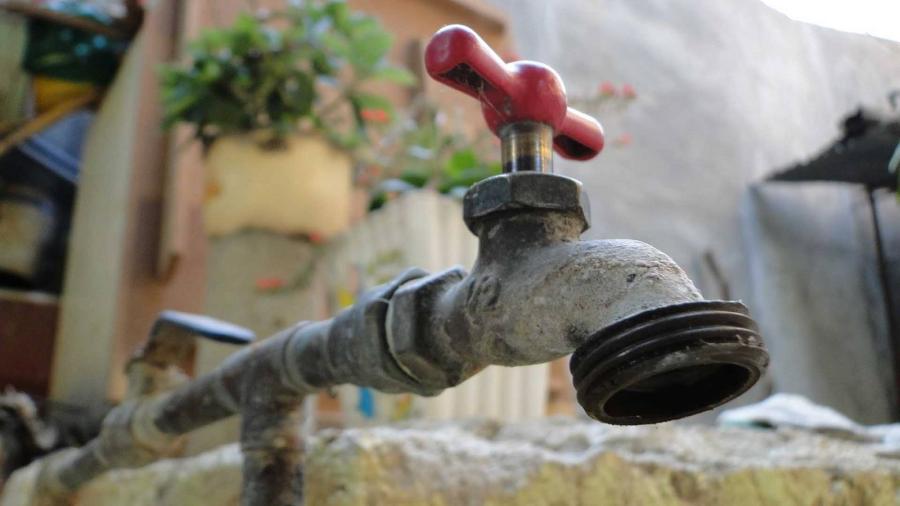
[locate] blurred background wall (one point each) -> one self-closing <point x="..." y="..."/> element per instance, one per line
<point x="728" y="93"/>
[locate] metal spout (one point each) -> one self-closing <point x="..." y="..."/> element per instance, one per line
<point x="647" y="348"/>
<point x="668" y="363"/>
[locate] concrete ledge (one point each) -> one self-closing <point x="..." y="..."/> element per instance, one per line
<point x="549" y="462"/>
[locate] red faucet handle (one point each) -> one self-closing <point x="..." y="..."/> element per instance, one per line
<point x="458" y="57"/>
<point x="580" y="137"/>
<point x="511" y="92"/>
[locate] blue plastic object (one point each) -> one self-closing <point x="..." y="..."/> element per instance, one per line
<point x="366" y="404"/>
<point x="205" y="326"/>
<point x="58" y="148"/>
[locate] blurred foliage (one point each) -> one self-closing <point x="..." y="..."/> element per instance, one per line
<point x="302" y="68"/>
<point x="421" y="152"/>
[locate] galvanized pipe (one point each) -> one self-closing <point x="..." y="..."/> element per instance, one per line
<point x="536" y="294"/>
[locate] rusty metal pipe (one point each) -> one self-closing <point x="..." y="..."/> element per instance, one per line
<point x="536" y="293"/>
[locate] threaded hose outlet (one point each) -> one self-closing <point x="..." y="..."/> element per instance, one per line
<point x="668" y="363"/>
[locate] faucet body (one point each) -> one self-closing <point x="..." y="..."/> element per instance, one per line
<point x="536" y="293"/>
<point x="647" y="347"/>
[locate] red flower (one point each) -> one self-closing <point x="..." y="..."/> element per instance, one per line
<point x="623" y="139"/>
<point x="628" y="91"/>
<point x="269" y="284"/>
<point x="375" y="115"/>
<point x="607" y="88"/>
<point x="315" y="238"/>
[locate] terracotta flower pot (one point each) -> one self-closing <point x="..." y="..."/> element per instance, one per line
<point x="303" y="187"/>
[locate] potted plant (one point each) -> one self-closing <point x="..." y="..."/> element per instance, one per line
<point x="420" y="151"/>
<point x="281" y="104"/>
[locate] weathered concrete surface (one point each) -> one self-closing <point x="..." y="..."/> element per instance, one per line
<point x="212" y="478"/>
<point x="552" y="462"/>
<point x="564" y="463"/>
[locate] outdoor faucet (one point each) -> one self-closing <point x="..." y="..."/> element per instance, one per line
<point x="647" y="347"/>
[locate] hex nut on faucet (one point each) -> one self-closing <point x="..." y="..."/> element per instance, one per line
<point x="524" y="190"/>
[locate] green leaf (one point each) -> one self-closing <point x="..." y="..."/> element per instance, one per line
<point x="467" y="178"/>
<point x="177" y="105"/>
<point x="377" y="201"/>
<point x="461" y="161"/>
<point x="371" y="101"/>
<point x="358" y="120"/>
<point x="210" y="71"/>
<point x="368" y="45"/>
<point x="396" y="75"/>
<point x="322" y="65"/>
<point x="340" y="14"/>
<point x="416" y="177"/>
<point x="336" y="44"/>
<point x="298" y="94"/>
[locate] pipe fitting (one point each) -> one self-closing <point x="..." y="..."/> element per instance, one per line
<point x="524" y="190"/>
<point x="526" y="146"/>
<point x="354" y="346"/>
<point x="669" y="362"/>
<point x="431" y="363"/>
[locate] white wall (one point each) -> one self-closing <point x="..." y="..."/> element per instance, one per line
<point x="728" y="92"/>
